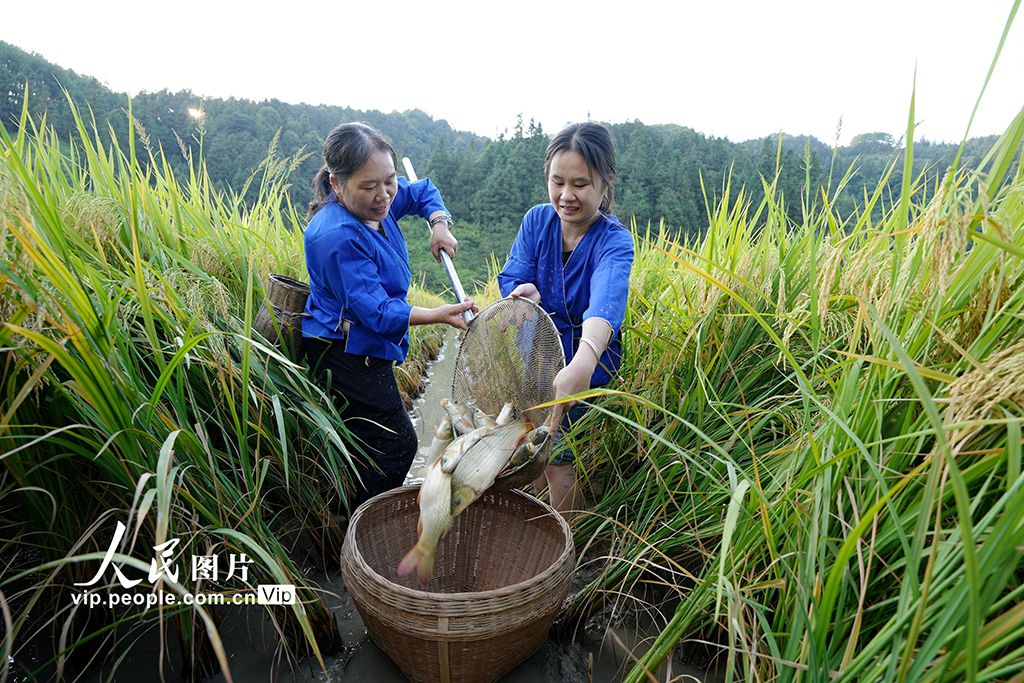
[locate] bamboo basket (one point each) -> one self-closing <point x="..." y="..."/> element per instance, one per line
<point x="279" y="318"/>
<point x="500" y="576"/>
<point x="281" y="328"/>
<point x="287" y="293"/>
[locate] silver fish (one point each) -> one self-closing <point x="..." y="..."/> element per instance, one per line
<point x="461" y="416"/>
<point x="482" y="419"/>
<point x="506" y="415"/>
<point x="435" y="520"/>
<point x="481" y="463"/>
<point x="458" y="448"/>
<point x="443" y="436"/>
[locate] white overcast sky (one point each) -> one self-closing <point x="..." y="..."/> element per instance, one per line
<point x="733" y="68"/>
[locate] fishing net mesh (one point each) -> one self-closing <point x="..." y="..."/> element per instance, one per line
<point x="511" y="352"/>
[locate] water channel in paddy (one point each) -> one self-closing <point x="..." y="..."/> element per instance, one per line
<point x="251" y="641"/>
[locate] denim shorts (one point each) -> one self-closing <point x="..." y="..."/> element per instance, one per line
<point x="563" y="454"/>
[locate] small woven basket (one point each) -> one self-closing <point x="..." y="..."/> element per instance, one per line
<point x="500" y="576"/>
<point x="279" y="318"/>
<point x="281" y="328"/>
<point x="287" y="293"/>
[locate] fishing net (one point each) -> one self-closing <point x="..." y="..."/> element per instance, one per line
<point x="511" y="353"/>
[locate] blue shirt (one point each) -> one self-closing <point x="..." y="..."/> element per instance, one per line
<point x="593" y="283"/>
<point x="359" y="275"/>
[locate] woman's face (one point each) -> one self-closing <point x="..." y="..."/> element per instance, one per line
<point x="574" y="194"/>
<point x="368" y="192"/>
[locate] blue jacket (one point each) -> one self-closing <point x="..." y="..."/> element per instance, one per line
<point x="358" y="275"/>
<point x="594" y="283"/>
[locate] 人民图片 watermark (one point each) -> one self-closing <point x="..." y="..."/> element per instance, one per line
<point x="162" y="569"/>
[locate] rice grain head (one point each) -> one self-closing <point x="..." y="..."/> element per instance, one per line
<point x="96" y="219"/>
<point x="970" y="322"/>
<point x="14" y="301"/>
<point x="206" y="298"/>
<point x="975" y="394"/>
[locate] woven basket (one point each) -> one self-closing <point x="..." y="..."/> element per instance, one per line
<point x="279" y="318"/>
<point x="287" y="293"/>
<point x="281" y="328"/>
<point x="500" y="576"/>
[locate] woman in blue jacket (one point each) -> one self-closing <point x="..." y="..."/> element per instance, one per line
<point x="574" y="258"/>
<point x="357" y="315"/>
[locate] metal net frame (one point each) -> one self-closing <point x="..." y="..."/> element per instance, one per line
<point x="511" y="352"/>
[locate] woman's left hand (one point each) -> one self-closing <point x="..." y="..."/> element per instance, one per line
<point x="572" y="379"/>
<point x="448" y="314"/>
<point x="442" y="238"/>
<point x="451" y="314"/>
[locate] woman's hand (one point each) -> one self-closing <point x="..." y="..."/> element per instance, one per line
<point x="515" y="316"/>
<point x="575" y="377"/>
<point x="527" y="290"/>
<point x="449" y="314"/>
<point x="572" y="379"/>
<point x="442" y="238"/>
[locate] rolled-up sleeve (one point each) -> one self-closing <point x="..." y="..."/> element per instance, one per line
<point x="421" y="198"/>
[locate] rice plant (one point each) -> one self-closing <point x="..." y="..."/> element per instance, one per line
<point x="815" y="447"/>
<point x="814" y="450"/>
<point x="135" y="391"/>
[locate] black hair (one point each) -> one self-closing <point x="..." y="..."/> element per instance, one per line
<point x="594" y="143"/>
<point x="348" y="146"/>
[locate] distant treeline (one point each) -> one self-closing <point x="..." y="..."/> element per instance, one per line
<point x="666" y="173"/>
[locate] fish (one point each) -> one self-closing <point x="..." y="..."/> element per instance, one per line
<point x="533" y="442"/>
<point x="443" y="436"/>
<point x="483" y="461"/>
<point x="458" y="448"/>
<point x="506" y="415"/>
<point x="435" y="520"/>
<point x="461" y="416"/>
<point x="482" y="419"/>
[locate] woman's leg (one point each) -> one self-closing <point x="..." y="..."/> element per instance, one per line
<point x="562" y="489"/>
<point x="373" y="412"/>
<point x="389" y="442"/>
<point x="560" y="475"/>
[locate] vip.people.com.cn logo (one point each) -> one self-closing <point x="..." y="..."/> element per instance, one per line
<point x="162" y="568"/>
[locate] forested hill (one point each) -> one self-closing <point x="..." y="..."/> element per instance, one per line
<point x="236" y="133"/>
<point x="665" y="171"/>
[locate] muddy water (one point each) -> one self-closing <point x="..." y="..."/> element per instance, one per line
<point x="427" y="410"/>
<point x="251" y="641"/>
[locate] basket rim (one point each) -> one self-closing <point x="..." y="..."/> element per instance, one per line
<point x="568" y="549"/>
<point x="287" y="281"/>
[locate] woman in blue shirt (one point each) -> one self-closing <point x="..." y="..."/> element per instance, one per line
<point x="357" y="314"/>
<point x="574" y="258"/>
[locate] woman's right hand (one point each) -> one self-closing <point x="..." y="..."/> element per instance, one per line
<point x="527" y="290"/>
<point x="515" y="316"/>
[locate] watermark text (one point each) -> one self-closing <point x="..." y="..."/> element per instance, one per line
<point x="265" y="594"/>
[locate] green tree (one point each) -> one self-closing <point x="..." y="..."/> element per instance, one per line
<point x="636" y="173"/>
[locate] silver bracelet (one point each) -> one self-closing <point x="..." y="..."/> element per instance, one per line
<point x="447" y="217"/>
<point x="592" y="345"/>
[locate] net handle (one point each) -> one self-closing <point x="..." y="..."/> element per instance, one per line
<point x="446" y="260"/>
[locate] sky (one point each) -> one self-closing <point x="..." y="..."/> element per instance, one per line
<point x="739" y="69"/>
